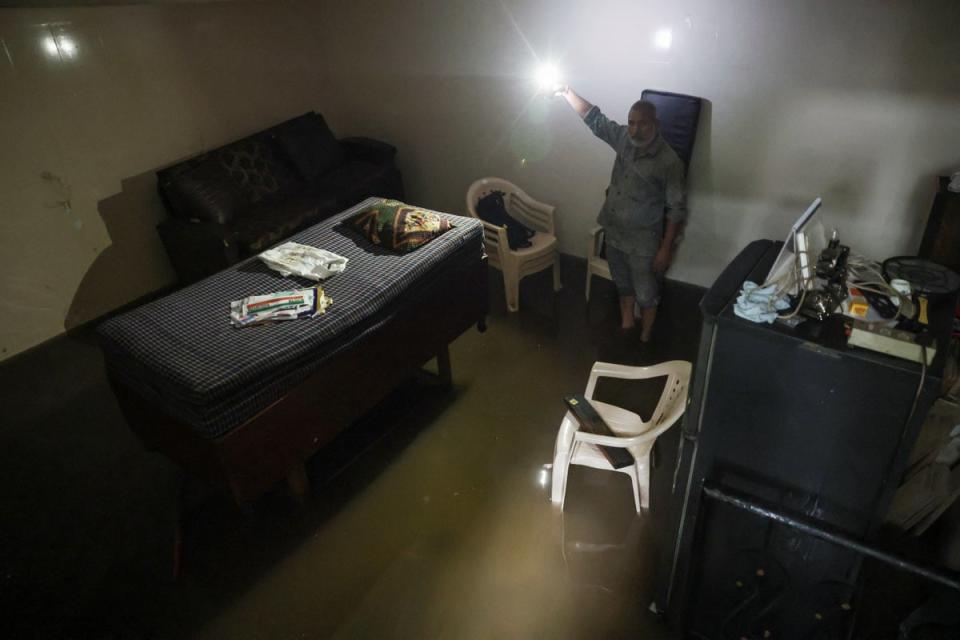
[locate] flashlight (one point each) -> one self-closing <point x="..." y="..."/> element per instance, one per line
<point x="547" y="77"/>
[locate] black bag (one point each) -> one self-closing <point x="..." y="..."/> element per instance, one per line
<point x="491" y="208"/>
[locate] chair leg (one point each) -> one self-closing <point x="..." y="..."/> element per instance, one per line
<point x="636" y="494"/>
<point x="556" y="273"/>
<point x="562" y="450"/>
<point x="511" y="290"/>
<point x="643" y="482"/>
<point x="566" y="474"/>
<point x="589" y="279"/>
<point x="558" y="485"/>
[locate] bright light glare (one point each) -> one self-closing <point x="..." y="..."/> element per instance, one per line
<point x="67" y="46"/>
<point x="663" y="39"/>
<point x="61" y="46"/>
<point x="547" y="76"/>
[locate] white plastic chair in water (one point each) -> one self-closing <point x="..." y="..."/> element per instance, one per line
<point x="518" y="263"/>
<point x="632" y="432"/>
<point x="596" y="265"/>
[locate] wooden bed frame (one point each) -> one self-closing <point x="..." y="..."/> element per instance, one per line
<point x="275" y="443"/>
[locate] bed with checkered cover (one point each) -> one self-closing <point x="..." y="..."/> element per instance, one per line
<point x="182" y="354"/>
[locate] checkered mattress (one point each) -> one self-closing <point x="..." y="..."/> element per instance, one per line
<point x="181" y="353"/>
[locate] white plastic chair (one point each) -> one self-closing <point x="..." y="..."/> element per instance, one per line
<point x="518" y="263"/>
<point x="596" y="266"/>
<point x="632" y="432"/>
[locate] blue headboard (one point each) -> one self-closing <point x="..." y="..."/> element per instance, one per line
<point x="679" y="116"/>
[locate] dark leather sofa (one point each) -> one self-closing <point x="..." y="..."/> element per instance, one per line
<point x="237" y="200"/>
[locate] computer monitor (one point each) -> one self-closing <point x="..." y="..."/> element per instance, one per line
<point x="795" y="249"/>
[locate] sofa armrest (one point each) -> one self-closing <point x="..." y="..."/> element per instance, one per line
<point x="367" y="150"/>
<point x="198" y="249"/>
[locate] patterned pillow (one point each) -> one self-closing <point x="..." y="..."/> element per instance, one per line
<point x="395" y="225"/>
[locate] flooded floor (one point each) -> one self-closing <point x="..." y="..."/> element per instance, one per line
<point x="430" y="518"/>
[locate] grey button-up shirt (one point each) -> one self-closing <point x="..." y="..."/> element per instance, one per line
<point x="646" y="186"/>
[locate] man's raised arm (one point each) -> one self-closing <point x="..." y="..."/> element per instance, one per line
<point x="581" y="106"/>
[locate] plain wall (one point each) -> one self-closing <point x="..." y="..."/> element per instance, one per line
<point x="853" y="101"/>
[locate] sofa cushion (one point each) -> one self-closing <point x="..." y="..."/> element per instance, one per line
<point x="399" y="226"/>
<point x="354" y="181"/>
<point x="367" y="150"/>
<point x="310" y="145"/>
<point x="258" y="168"/>
<point x="206" y="192"/>
<point x="268" y="223"/>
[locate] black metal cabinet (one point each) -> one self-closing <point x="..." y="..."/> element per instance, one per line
<point x="797" y="421"/>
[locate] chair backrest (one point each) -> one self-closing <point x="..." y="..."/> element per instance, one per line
<point x="494" y="238"/>
<point x="673" y="400"/>
<point x="670" y="408"/>
<point x="679" y="117"/>
<point x="483" y="186"/>
<point x="520" y="206"/>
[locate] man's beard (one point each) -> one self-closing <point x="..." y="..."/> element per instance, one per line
<point x="640" y="143"/>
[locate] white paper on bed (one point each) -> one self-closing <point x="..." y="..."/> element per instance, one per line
<point x="303" y="260"/>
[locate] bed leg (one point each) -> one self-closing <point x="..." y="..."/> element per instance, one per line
<point x="444" y="370"/>
<point x="246" y="508"/>
<point x="178" y="523"/>
<point x="298" y="482"/>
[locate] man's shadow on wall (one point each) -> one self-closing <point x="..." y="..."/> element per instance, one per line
<point x="922" y="196"/>
<point x="702" y="189"/>
<point x="134" y="266"/>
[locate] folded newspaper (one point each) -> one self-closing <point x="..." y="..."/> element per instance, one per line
<point x="303" y="260"/>
<point x="282" y="305"/>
